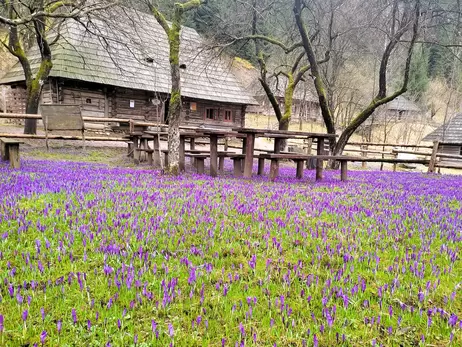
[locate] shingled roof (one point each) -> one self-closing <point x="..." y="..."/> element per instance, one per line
<point x="451" y="132"/>
<point x="127" y="48"/>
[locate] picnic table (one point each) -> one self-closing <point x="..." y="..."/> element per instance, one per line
<point x="278" y="135"/>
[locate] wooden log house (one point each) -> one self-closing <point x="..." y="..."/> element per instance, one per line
<point x="450" y="134"/>
<point x="121" y="69"/>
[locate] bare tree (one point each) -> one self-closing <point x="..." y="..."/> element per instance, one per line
<point x="172" y="31"/>
<point x="35" y="20"/>
<point x="404" y="19"/>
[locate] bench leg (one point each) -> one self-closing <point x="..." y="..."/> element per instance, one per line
<point x="14" y="156"/>
<point x="274" y="169"/>
<point x="343" y="170"/>
<point x="200" y="165"/>
<point x="134" y="147"/>
<point x="319" y="163"/>
<point x="221" y="164"/>
<point x="149" y="154"/>
<point x="5" y="150"/>
<point x="237" y="165"/>
<point x="319" y="169"/>
<point x="130" y="149"/>
<point x="300" y="169"/>
<point x="261" y="166"/>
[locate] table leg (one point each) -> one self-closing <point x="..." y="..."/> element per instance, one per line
<point x="156" y="151"/>
<point x="136" y="153"/>
<point x="249" y="149"/>
<point x="343" y="170"/>
<point x="319" y="162"/>
<point x="14" y="156"/>
<point x="192" y="146"/>
<point x="182" y="161"/>
<point x="213" y="155"/>
<point x="145" y="146"/>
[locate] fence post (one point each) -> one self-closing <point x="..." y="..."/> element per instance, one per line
<point x="364" y="154"/>
<point x="432" y="164"/>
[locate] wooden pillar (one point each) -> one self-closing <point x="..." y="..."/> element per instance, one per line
<point x="343" y="170"/>
<point x="13" y="150"/>
<point x="249" y="149"/>
<point x="320" y="162"/>
<point x="213" y="154"/>
<point x="182" y="160"/>
<point x="432" y="164"/>
<point x="300" y="169"/>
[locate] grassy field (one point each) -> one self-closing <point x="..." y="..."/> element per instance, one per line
<point x="92" y="255"/>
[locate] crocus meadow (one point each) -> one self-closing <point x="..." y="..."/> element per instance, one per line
<point x="101" y="256"/>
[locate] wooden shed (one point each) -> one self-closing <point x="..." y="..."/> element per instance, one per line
<point x="120" y="68"/>
<point x="449" y="133"/>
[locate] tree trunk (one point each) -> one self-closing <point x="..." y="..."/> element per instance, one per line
<point x="32" y="105"/>
<point x="283" y="125"/>
<point x="174" y="117"/>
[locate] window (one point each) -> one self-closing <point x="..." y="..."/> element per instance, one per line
<point x="88" y="101"/>
<point x="228" y="116"/>
<point x="211" y="113"/>
<point x="132" y="103"/>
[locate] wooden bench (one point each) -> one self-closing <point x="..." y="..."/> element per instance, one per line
<point x="199" y="160"/>
<point x="10" y="151"/>
<point x="199" y="157"/>
<point x="62" y="118"/>
<point x="300" y="158"/>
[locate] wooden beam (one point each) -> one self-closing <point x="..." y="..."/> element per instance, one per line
<point x="65" y="137"/>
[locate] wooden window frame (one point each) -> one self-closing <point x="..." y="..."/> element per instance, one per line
<point x="215" y="115"/>
<point x="230" y="120"/>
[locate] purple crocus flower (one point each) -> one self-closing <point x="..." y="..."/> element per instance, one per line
<point x="1" y="323"/>
<point x="43" y="337"/>
<point x="25" y="313"/>
<point x="74" y="316"/>
<point x="59" y="325"/>
<point x="171" y="332"/>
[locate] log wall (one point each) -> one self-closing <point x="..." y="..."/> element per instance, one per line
<point x="114" y="102"/>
